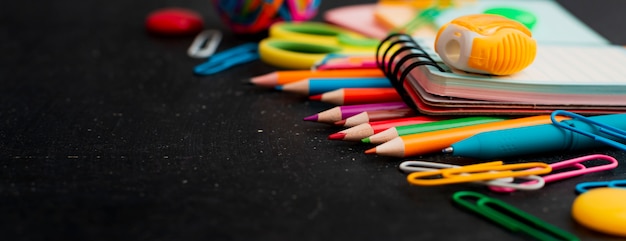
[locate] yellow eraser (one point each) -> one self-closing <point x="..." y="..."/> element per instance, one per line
<point x="602" y="209"/>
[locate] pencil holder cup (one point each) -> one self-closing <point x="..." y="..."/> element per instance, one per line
<point x="486" y="44"/>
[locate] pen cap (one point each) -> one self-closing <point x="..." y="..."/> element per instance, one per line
<point x="486" y="44"/>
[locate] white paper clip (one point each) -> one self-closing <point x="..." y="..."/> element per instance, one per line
<point x="205" y="44"/>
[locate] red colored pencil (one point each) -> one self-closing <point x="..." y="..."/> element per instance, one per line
<point x="364" y="130"/>
<point x="288" y="76"/>
<point x="378" y="115"/>
<point x="351" y="96"/>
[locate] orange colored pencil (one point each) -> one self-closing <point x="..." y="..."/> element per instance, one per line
<point x="376" y="115"/>
<point x="361" y="131"/>
<point x="351" y="96"/>
<point x="436" y="141"/>
<point x="288" y="76"/>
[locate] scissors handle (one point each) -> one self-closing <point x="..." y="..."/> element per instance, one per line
<point x="302" y="45"/>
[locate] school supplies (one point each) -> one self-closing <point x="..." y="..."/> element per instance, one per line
<point x="602" y="209"/>
<point x="204" y="44"/>
<point x="359" y="18"/>
<point x="536" y="139"/>
<point x="289" y="76"/>
<point x="548" y="20"/>
<point x="342" y="112"/>
<point x="607" y="129"/>
<point x="435" y="141"/>
<point x="302" y="45"/>
<point x="472" y="173"/>
<point x="361" y="131"/>
<point x="352" y="96"/>
<point x="397" y="131"/>
<point x="557" y="79"/>
<point x="343" y="61"/>
<point x="228" y="58"/>
<point x="375" y="115"/>
<point x="577" y="169"/>
<point x="421" y="166"/>
<point x="245" y="16"/>
<point x="586" y="186"/>
<point x="509" y="217"/>
<point x="314" y="86"/>
<point x="174" y="22"/>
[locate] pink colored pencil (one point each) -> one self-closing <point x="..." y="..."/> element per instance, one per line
<point x="342" y="112"/>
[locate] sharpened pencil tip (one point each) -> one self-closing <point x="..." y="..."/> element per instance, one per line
<point x="315" y="97"/>
<point x="366" y="140"/>
<point x="371" y="151"/>
<point x="311" y="118"/>
<point x="278" y="87"/>
<point x="337" y="136"/>
<point x="340" y="123"/>
<point x="448" y="150"/>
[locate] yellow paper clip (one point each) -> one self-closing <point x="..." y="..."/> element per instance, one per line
<point x="473" y="173"/>
<point x="422" y="166"/>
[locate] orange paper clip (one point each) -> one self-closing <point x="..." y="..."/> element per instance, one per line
<point x="475" y="173"/>
<point x="422" y="166"/>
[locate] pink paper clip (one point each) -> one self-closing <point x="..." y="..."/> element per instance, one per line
<point x="580" y="169"/>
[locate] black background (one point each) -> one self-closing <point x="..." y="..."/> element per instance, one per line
<point x="105" y="134"/>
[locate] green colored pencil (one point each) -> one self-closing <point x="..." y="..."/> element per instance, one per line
<point x="394" y="132"/>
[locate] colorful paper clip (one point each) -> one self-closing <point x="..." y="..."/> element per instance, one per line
<point x="223" y="60"/>
<point x="422" y="166"/>
<point x="602" y="128"/>
<point x="510" y="217"/>
<point x="473" y="173"/>
<point x="576" y="163"/>
<point x="205" y="44"/>
<point x="585" y="186"/>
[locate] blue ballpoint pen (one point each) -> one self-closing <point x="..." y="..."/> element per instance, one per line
<point x="534" y="139"/>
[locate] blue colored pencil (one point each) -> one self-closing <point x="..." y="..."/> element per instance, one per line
<point x="314" y="86"/>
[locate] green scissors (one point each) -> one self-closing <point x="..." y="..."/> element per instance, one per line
<point x="302" y="45"/>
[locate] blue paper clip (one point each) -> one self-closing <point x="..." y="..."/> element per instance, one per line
<point x="510" y="217"/>
<point x="223" y="60"/>
<point x="585" y="186"/>
<point x="602" y="128"/>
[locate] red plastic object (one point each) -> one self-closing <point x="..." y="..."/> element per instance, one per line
<point x="174" y="22"/>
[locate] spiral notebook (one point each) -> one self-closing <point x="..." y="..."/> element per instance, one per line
<point x="579" y="78"/>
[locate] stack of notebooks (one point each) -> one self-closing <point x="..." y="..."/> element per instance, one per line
<point x="578" y="71"/>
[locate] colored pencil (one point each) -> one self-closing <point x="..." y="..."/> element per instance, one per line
<point x="352" y="96"/>
<point x="404" y="130"/>
<point x="349" y="62"/>
<point x="356" y="133"/>
<point x="314" y="86"/>
<point x="377" y="115"/>
<point x="288" y="76"/>
<point x="435" y="141"/>
<point x="342" y="112"/>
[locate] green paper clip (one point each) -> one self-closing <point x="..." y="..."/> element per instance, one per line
<point x="510" y="217"/>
